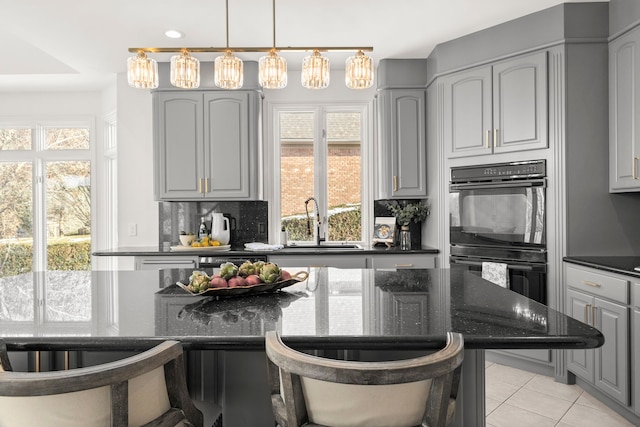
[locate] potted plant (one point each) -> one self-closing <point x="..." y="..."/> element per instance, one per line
<point x="405" y="212"/>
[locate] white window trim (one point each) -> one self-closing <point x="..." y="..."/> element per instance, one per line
<point x="272" y="159"/>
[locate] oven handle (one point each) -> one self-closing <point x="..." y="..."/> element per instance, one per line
<point x="509" y="184"/>
<point x="522" y="267"/>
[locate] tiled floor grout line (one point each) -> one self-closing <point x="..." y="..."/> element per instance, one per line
<point x="535" y="388"/>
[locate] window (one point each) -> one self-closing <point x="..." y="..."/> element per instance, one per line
<point x="320" y="171"/>
<point x="45" y="219"/>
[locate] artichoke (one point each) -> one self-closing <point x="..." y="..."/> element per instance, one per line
<point x="258" y="266"/>
<point x="270" y="273"/>
<point x="247" y="269"/>
<point x="199" y="281"/>
<point x="228" y="270"/>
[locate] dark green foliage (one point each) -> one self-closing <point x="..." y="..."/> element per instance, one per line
<point x="65" y="254"/>
<point x="343" y="226"/>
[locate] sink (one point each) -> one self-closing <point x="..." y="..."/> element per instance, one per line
<point x="329" y="247"/>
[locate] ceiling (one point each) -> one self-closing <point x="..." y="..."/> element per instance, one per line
<point x="78" y="45"/>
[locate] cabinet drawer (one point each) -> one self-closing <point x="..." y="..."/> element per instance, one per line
<point x="589" y="281"/>
<point x="403" y="261"/>
<point x="635" y="294"/>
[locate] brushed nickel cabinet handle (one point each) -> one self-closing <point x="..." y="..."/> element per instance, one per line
<point x="635" y="167"/>
<point x="206" y="185"/>
<point x="200" y="185"/>
<point x="594" y="311"/>
<point x="404" y="265"/>
<point x="592" y="284"/>
<point x="486" y="139"/>
<point x="495" y="138"/>
<point x="586" y="313"/>
<point x="395" y="183"/>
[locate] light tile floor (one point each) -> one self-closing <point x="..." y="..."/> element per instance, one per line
<point x="537" y="400"/>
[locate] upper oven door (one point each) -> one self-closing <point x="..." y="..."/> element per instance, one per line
<point x="507" y="214"/>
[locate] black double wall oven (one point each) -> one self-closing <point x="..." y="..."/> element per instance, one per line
<point x="497" y="214"/>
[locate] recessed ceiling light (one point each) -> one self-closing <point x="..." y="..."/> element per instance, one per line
<point x="173" y="34"/>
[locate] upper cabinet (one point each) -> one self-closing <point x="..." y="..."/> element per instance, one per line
<point x="206" y="145"/>
<point x="402" y="143"/>
<point x="624" y="105"/>
<point x="497" y="108"/>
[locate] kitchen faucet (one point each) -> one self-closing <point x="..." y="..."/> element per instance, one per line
<point x="318" y="223"/>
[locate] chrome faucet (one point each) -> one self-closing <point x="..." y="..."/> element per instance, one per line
<point x="318" y="222"/>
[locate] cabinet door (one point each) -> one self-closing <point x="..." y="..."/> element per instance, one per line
<point x="178" y="139"/>
<point x="408" y="313"/>
<point x="624" y="104"/>
<point x="580" y="362"/>
<point x="612" y="373"/>
<point x="403" y="143"/>
<point x="520" y="103"/>
<point x="635" y="339"/>
<point x="226" y="147"/>
<point x="467" y="113"/>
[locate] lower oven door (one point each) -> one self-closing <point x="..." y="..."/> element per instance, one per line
<point x="528" y="279"/>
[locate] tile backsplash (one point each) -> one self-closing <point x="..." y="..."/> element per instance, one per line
<point x="248" y="220"/>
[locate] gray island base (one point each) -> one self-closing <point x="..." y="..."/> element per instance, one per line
<point x="361" y="314"/>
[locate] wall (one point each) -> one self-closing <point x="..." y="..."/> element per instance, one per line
<point x="136" y="206"/>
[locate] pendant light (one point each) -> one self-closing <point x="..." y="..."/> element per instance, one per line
<point x="359" y="71"/>
<point x="272" y="69"/>
<point x="315" y="71"/>
<point x="228" y="73"/>
<point x="142" y="72"/>
<point x="185" y="71"/>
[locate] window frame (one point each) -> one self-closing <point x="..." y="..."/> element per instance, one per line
<point x="273" y="152"/>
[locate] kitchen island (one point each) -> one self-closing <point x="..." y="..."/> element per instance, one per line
<point x="355" y="313"/>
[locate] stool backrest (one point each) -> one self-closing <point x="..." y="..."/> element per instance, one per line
<point x="315" y="391"/>
<point x="146" y="388"/>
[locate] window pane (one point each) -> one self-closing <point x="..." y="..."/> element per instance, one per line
<point x="68" y="296"/>
<point x="15" y="139"/>
<point x="16" y="219"/>
<point x="296" y="172"/>
<point x="68" y="202"/>
<point x="67" y="138"/>
<point x="344" y="176"/>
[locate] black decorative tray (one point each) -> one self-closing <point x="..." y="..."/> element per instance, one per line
<point x="260" y="288"/>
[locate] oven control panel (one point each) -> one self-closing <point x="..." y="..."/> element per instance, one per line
<point x="500" y="171"/>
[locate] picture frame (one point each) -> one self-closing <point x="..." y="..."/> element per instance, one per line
<point x="384" y="230"/>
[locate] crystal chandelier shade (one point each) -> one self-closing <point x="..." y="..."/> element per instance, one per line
<point x="142" y="72"/>
<point x="228" y="73"/>
<point x="359" y="71"/>
<point x="272" y="71"/>
<point x="185" y="71"/>
<point x="315" y="71"/>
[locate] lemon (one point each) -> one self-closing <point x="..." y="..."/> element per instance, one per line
<point x="195" y="245"/>
<point x="214" y="243"/>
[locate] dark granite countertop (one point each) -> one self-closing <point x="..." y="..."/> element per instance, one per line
<point x="241" y="251"/>
<point x="614" y="264"/>
<point x="333" y="308"/>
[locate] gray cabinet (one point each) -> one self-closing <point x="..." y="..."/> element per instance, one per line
<point x="338" y="261"/>
<point x="624" y="104"/>
<point x="401" y="261"/>
<point x="402" y="143"/>
<point x="601" y="301"/>
<point x="206" y="145"/>
<point x="635" y="342"/>
<point x="497" y="108"/>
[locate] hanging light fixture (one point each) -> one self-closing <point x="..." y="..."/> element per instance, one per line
<point x="142" y="71"/>
<point x="185" y="71"/>
<point x="228" y="72"/>
<point x="315" y="71"/>
<point x="359" y="71"/>
<point x="272" y="69"/>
